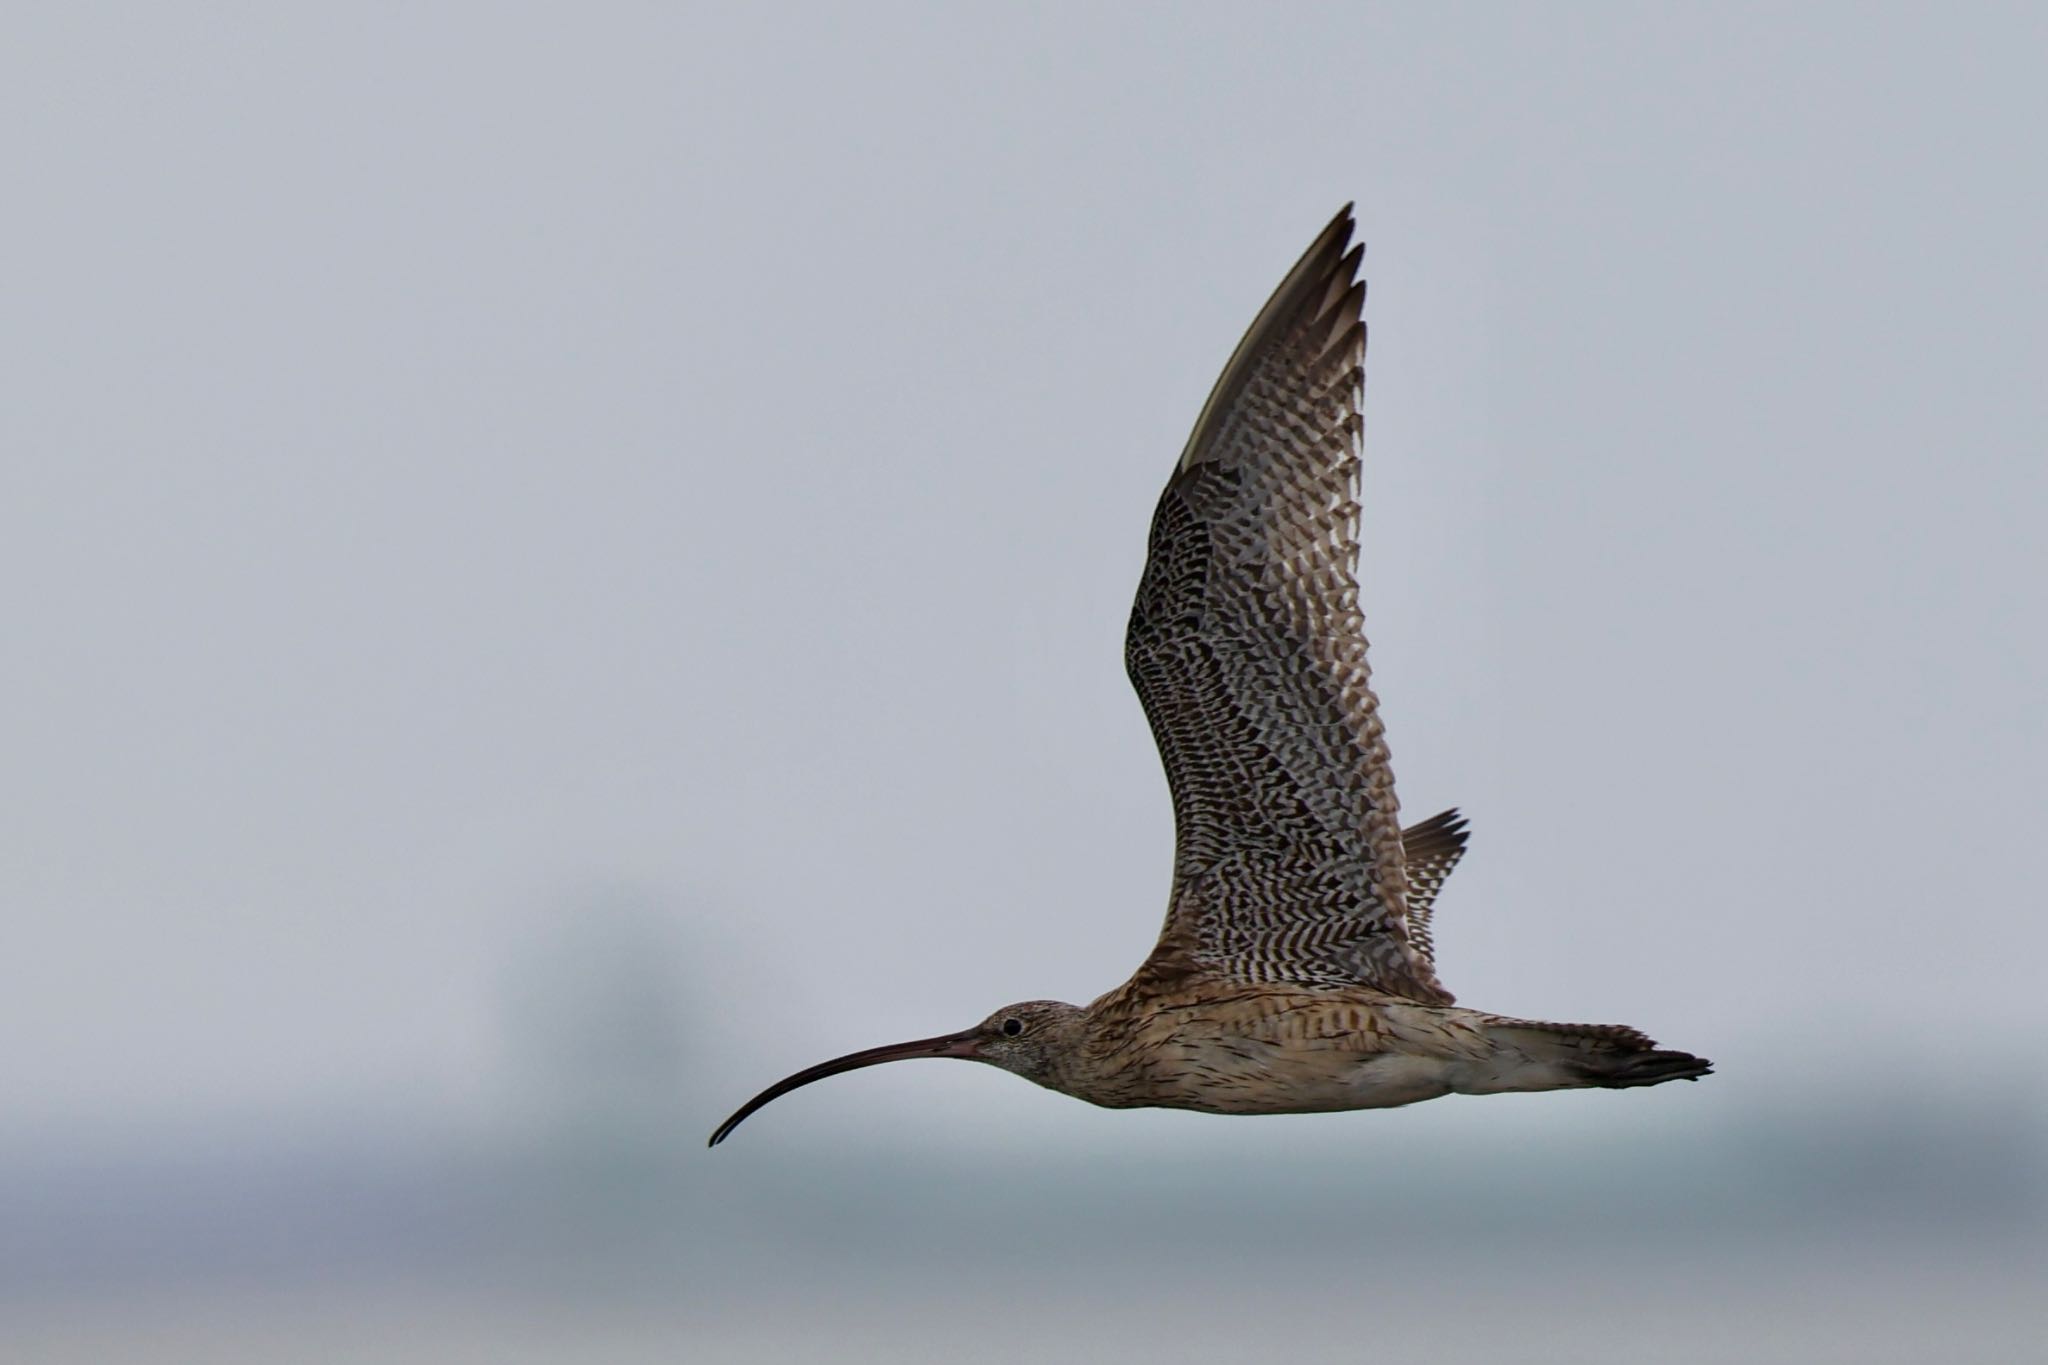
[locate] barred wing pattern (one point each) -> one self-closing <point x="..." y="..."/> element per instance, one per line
<point x="1430" y="850"/>
<point x="1248" y="651"/>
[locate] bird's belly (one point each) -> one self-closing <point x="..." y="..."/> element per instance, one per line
<point x="1254" y="1076"/>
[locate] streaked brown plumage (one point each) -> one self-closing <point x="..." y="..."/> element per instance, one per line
<point x="1295" y="972"/>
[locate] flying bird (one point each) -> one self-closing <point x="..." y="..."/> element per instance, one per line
<point x="1295" y="972"/>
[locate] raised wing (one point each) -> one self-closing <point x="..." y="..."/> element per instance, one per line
<point x="1247" y="648"/>
<point x="1430" y="850"/>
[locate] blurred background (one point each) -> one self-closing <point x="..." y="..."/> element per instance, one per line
<point x="560" y="563"/>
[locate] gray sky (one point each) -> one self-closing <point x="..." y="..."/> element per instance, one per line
<point x="467" y="465"/>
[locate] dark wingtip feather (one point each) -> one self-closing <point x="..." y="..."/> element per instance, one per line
<point x="1446" y="831"/>
<point x="1320" y="283"/>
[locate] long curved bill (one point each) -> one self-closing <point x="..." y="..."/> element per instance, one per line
<point x="965" y="1044"/>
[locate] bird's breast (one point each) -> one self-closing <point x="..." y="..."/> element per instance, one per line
<point x="1279" y="1058"/>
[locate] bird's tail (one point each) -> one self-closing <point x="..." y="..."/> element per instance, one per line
<point x="1563" y="1056"/>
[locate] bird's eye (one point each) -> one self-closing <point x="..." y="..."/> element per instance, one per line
<point x="1013" y="1027"/>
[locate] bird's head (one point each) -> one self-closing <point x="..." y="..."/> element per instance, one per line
<point x="1031" y="1038"/>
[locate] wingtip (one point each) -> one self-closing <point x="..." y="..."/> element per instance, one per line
<point x="1322" y="279"/>
<point x="1342" y="225"/>
<point x="1446" y="824"/>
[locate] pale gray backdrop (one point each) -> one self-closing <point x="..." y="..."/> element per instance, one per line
<point x="561" y="562"/>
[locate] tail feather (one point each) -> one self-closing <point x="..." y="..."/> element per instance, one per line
<point x="1611" y="1056"/>
<point x="1649" y="1068"/>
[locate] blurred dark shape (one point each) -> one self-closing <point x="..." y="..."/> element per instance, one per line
<point x="595" y="1034"/>
<point x="594" y="1020"/>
